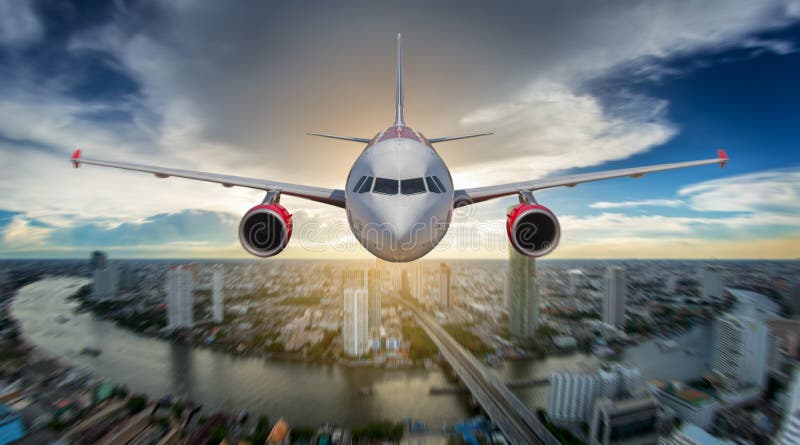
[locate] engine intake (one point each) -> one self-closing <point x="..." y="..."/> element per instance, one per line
<point x="265" y="230"/>
<point x="533" y="229"/>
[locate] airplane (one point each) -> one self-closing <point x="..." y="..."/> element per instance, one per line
<point x="399" y="196"/>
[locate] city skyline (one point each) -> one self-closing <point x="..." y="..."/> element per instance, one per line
<point x="77" y="80"/>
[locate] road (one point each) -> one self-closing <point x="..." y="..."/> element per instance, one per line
<point x="515" y="420"/>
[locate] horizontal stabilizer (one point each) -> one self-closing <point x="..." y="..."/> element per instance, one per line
<point x="343" y="138"/>
<point x="455" y="138"/>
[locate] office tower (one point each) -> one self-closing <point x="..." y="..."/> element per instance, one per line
<point x="789" y="433"/>
<point x="638" y="420"/>
<point x="404" y="286"/>
<point x="614" y="298"/>
<point x="105" y="282"/>
<point x="97" y="261"/>
<point x="355" y="335"/>
<point x="711" y="281"/>
<point x="375" y="289"/>
<point x="217" y="295"/>
<point x="571" y="396"/>
<point x="180" y="298"/>
<point x="523" y="294"/>
<point x="739" y="352"/>
<point x="445" y="290"/>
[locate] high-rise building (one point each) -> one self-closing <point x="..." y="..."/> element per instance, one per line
<point x="105" y="282"/>
<point x="355" y="335"/>
<point x="571" y="396"/>
<point x="180" y="297"/>
<point x="790" y="431"/>
<point x="739" y="352"/>
<point x="446" y="299"/>
<point x="217" y="295"/>
<point x="353" y="277"/>
<point x="523" y="294"/>
<point x="375" y="289"/>
<point x="98" y="260"/>
<point x="614" y="297"/>
<point x="711" y="282"/>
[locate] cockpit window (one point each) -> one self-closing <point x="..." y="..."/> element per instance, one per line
<point x="385" y="186"/>
<point x="432" y="187"/>
<point x="366" y="185"/>
<point x="412" y="186"/>
<point x="358" y="184"/>
<point x="439" y="183"/>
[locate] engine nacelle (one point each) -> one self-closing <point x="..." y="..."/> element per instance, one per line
<point x="533" y="229"/>
<point x="265" y="229"/>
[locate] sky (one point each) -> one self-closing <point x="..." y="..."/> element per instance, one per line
<point x="567" y="87"/>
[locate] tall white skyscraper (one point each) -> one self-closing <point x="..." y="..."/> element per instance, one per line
<point x="711" y="282"/>
<point x="217" y="295"/>
<point x="180" y="297"/>
<point x="739" y="351"/>
<point x="105" y="282"/>
<point x="522" y="292"/>
<point x="614" y="298"/>
<point x="571" y="396"/>
<point x="355" y="307"/>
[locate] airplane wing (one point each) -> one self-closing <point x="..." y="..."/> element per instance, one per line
<point x="333" y="197"/>
<point x="465" y="197"/>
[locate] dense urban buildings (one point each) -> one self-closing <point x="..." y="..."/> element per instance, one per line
<point x="180" y="297"/>
<point x="522" y="294"/>
<point x="614" y="298"/>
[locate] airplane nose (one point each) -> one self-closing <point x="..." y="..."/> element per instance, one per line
<point x="399" y="232"/>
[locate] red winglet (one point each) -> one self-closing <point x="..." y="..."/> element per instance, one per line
<point x="76" y="155"/>
<point x="723" y="157"/>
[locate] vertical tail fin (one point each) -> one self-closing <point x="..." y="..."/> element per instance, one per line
<point x="398" y="117"/>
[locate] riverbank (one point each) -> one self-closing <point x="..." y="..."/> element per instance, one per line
<point x="303" y="393"/>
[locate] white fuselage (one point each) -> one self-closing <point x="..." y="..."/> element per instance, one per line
<point x="399" y="196"/>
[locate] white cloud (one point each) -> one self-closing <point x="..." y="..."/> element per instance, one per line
<point x="19" y="24"/>
<point x="550" y="127"/>
<point x="633" y="204"/>
<point x="773" y="191"/>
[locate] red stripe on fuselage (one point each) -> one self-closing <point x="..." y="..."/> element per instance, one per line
<point x="399" y="133"/>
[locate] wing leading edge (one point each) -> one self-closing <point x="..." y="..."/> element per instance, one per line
<point x="334" y="197"/>
<point x="465" y="197"/>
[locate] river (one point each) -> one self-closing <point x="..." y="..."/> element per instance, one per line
<point x="304" y="393"/>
